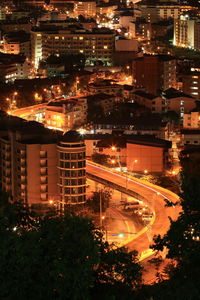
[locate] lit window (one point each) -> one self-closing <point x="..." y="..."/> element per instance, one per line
<point x="195" y="76"/>
<point x="105" y="47"/>
<point x="39" y="34"/>
<point x="56" y="37"/>
<point x="81" y="38"/>
<point x="195" y="93"/>
<point x="81" y="51"/>
<point x="194" y="88"/>
<point x="195" y="82"/>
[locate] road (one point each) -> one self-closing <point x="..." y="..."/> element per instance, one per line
<point x="154" y="196"/>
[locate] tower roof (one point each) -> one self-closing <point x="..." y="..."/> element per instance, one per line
<point x="72" y="136"/>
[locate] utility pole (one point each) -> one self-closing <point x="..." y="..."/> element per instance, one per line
<point x="100" y="208"/>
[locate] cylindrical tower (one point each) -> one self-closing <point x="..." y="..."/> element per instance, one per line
<point x="71" y="169"/>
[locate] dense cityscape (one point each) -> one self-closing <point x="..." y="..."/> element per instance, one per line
<point x="99" y="149"/>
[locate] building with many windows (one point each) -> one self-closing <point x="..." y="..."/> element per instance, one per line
<point x="155" y="72"/>
<point x="187" y="32"/>
<point x="37" y="165"/>
<point x="191" y="83"/>
<point x="192" y="120"/>
<point x="71" y="169"/>
<point x="95" y="45"/>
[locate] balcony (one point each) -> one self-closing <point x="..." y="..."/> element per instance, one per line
<point x="43" y="171"/>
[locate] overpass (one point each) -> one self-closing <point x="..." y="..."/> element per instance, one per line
<point x="151" y="194"/>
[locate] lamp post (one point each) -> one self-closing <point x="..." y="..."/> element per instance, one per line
<point x="100" y="208"/>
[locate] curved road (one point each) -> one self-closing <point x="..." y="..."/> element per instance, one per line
<point x="154" y="196"/>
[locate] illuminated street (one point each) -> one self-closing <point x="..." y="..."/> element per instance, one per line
<point x="154" y="196"/>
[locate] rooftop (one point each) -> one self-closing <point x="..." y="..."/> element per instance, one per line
<point x="145" y="95"/>
<point x="173" y="93"/>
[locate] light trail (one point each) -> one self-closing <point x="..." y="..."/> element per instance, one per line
<point x="132" y="180"/>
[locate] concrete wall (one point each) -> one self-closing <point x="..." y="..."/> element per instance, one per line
<point x="141" y="158"/>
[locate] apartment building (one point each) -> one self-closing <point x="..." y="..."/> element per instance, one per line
<point x="13" y="67"/>
<point x="161" y="11"/>
<point x="187" y="32"/>
<point x="38" y="165"/>
<point x="71" y="169"/>
<point x="191" y="120"/>
<point x="155" y="103"/>
<point x="95" y="45"/>
<point x="190" y="136"/>
<point x="178" y="101"/>
<point x="191" y="83"/>
<point x="155" y="72"/>
<point x="86" y="8"/>
<point x="65" y="115"/>
<point x="17" y="43"/>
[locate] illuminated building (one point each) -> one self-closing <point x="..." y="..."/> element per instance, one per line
<point x="192" y="120"/>
<point x="86" y="8"/>
<point x="65" y="115"/>
<point x="13" y="67"/>
<point x="71" y="169"/>
<point x="191" y="83"/>
<point x="161" y="11"/>
<point x="137" y="152"/>
<point x="187" y="32"/>
<point x="178" y="101"/>
<point x="155" y="72"/>
<point x="17" y="43"/>
<point x="94" y="45"/>
<point x="38" y="165"/>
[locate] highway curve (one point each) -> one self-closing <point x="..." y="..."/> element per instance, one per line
<point x="154" y="197"/>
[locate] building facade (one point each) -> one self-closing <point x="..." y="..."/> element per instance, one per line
<point x="72" y="169"/>
<point x="94" y="45"/>
<point x="155" y="73"/>
<point x="187" y="32"/>
<point x="191" y="83"/>
<point x="37" y="164"/>
<point x="192" y="120"/>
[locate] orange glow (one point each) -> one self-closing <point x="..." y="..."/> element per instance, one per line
<point x="113" y="148"/>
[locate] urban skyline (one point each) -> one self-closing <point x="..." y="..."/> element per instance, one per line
<point x="100" y="119"/>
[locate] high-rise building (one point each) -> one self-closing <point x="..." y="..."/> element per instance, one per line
<point x="191" y="83"/>
<point x="187" y="32"/>
<point x="155" y="72"/>
<point x="71" y="169"/>
<point x="38" y="165"/>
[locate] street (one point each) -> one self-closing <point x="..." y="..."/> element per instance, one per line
<point x="154" y="196"/>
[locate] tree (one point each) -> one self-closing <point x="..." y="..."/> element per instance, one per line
<point x="102" y="198"/>
<point x="118" y="275"/>
<point x="59" y="258"/>
<point x="53" y="260"/>
<point x="183" y="244"/>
